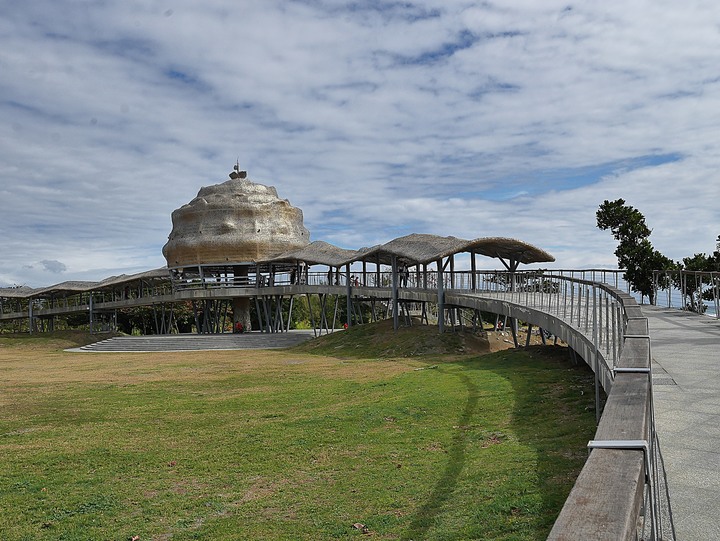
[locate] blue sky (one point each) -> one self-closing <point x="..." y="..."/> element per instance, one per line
<point x="377" y="118"/>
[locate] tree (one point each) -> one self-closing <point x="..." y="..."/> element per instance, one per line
<point x="627" y="224"/>
<point x="635" y="253"/>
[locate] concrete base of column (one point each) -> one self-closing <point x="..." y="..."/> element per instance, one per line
<point x="241" y="313"/>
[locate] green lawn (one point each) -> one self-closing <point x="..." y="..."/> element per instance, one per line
<point x="286" y="445"/>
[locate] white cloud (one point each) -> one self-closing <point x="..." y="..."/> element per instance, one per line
<point x="449" y="117"/>
<point x="53" y="266"/>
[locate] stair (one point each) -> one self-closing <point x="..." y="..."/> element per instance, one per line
<point x="197" y="342"/>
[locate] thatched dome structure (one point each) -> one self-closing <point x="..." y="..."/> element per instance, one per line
<point x="237" y="221"/>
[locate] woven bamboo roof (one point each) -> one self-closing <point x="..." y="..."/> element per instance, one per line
<point x="21" y="292"/>
<point x="156" y="274"/>
<point x="417" y="248"/>
<point x="64" y="287"/>
<point x="510" y="249"/>
<point x="71" y="287"/>
<point x="422" y="248"/>
<point x="414" y="249"/>
<point x="317" y="253"/>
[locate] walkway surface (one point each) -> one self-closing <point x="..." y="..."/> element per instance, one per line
<point x="198" y="342"/>
<point x="686" y="378"/>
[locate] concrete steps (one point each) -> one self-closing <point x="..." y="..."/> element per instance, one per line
<point x="197" y="342"/>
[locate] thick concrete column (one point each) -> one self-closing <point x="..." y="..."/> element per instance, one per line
<point x="241" y="305"/>
<point x="241" y="313"/>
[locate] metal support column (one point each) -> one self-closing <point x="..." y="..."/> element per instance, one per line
<point x="91" y="313"/>
<point x="440" y="297"/>
<point x="396" y="322"/>
<point x="348" y="294"/>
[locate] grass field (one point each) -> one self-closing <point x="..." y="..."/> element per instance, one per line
<point x="288" y="445"/>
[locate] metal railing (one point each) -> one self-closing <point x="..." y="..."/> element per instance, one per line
<point x="592" y="308"/>
<point x="694" y="291"/>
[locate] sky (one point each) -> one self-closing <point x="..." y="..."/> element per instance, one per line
<point x="377" y="118"/>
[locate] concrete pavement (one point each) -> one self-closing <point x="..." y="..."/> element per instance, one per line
<point x="198" y="342"/>
<point x="686" y="383"/>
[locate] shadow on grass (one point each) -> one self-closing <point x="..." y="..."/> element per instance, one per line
<point x="425" y="516"/>
<point x="525" y="425"/>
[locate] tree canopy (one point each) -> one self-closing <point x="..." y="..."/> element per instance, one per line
<point x="635" y="252"/>
<point x="637" y="256"/>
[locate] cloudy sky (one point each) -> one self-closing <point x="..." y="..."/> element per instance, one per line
<point x="378" y="118"/>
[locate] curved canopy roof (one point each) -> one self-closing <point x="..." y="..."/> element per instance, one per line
<point x="155" y="274"/>
<point x="510" y="249"/>
<point x="71" y="287"/>
<point x="21" y="292"/>
<point x="65" y="287"/>
<point x="317" y="253"/>
<point x="417" y="248"/>
<point x="422" y="249"/>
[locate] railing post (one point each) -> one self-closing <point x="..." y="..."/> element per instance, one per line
<point x="607" y="323"/>
<point x="655" y="287"/>
<point x="614" y="335"/>
<point x="598" y="307"/>
<point x="473" y="277"/>
<point x="596" y="354"/>
<point x="587" y="307"/>
<point x="620" y="329"/>
<point x="527" y="292"/>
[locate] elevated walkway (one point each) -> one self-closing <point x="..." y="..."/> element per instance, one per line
<point x="686" y="376"/>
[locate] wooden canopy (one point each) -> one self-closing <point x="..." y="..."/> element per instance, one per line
<point x="317" y="253"/>
<point x="509" y="249"/>
<point x="413" y="249"/>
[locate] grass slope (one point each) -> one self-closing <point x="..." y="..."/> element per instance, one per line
<point x="380" y="341"/>
<point x="289" y="445"/>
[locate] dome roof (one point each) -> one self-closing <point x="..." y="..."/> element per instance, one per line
<point x="237" y="221"/>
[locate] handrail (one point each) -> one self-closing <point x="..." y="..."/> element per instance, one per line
<point x="607" y="498"/>
<point x="688" y="290"/>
